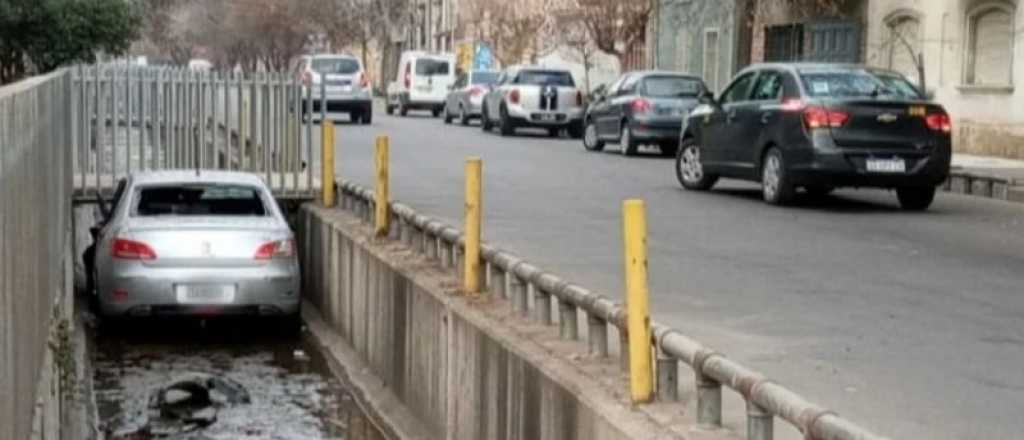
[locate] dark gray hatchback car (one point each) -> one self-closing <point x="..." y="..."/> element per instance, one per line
<point x="818" y="127"/>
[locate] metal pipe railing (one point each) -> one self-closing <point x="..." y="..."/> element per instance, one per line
<point x="514" y="278"/>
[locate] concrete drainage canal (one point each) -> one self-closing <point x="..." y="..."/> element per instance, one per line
<point x="189" y="380"/>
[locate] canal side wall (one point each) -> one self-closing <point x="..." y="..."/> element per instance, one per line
<point x="456" y="363"/>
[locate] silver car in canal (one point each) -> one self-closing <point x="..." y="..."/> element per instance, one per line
<point x="198" y="244"/>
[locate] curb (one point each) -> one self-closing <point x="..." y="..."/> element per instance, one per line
<point x="981" y="185"/>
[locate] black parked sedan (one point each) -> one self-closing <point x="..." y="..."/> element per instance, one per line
<point x="641" y="108"/>
<point x="818" y="127"/>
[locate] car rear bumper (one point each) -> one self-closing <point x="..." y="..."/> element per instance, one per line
<point x="343" y="105"/>
<point x="844" y="169"/>
<point x="559" y="118"/>
<point x="137" y="290"/>
<point x="655" y="133"/>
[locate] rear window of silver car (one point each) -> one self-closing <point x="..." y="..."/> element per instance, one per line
<point x="200" y="200"/>
<point x="335" y="66"/>
<point x="545" y="78"/>
<point x="672" y="86"/>
<point x="855" y="83"/>
<point x="426" y="66"/>
<point x="485" y="78"/>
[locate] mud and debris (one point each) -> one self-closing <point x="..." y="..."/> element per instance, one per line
<point x="183" y="380"/>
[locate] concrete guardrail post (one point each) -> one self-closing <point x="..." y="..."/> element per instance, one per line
<point x="567" y="319"/>
<point x="760" y="423"/>
<point x="597" y="335"/>
<point x="668" y="379"/>
<point x="709" y="399"/>
<point x="519" y="292"/>
<point x="541" y="305"/>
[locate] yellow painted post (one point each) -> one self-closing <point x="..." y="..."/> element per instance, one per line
<point x="327" y="164"/>
<point x="638" y="318"/>
<point x="474" y="208"/>
<point x="383" y="193"/>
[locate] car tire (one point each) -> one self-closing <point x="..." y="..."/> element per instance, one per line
<point x="291" y="325"/>
<point x="485" y="121"/>
<point x="776" y="188"/>
<point x="628" y="142"/>
<point x="505" y="123"/>
<point x="554" y="132"/>
<point x="591" y="142"/>
<point x="576" y="130"/>
<point x="368" y="117"/>
<point x="915" y="198"/>
<point x="690" y="170"/>
<point x="390" y="110"/>
<point x="447" y="115"/>
<point x="463" y="116"/>
<point x="436" y="112"/>
<point x="403" y="110"/>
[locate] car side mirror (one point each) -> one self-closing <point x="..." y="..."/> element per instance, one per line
<point x="706" y="97"/>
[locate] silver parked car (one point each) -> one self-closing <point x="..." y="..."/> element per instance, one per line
<point x="345" y="83"/>
<point x="534" y="97"/>
<point x="187" y="243"/>
<point x="467" y="95"/>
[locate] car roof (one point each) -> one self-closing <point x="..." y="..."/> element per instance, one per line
<point x="805" y="66"/>
<point x="333" y="55"/>
<point x="191" y="176"/>
<point x="662" y="72"/>
<point x="532" y="68"/>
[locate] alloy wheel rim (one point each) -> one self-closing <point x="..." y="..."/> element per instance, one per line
<point x="690" y="165"/>
<point x="590" y="137"/>
<point x="626" y="140"/>
<point x="771" y="176"/>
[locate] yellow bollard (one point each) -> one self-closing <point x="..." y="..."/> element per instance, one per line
<point x="638" y="318"/>
<point x="383" y="194"/>
<point x="327" y="164"/>
<point x="474" y="208"/>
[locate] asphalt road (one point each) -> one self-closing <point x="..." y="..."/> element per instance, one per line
<point x="909" y="323"/>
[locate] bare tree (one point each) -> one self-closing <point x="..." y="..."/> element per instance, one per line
<point x="578" y="44"/>
<point x="515" y="31"/>
<point x="616" y="25"/>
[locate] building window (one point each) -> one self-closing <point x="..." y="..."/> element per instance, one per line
<point x="711" y="58"/>
<point x="904" y="44"/>
<point x="990" y="44"/>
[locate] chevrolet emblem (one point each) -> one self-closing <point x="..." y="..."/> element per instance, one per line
<point x="887" y="118"/>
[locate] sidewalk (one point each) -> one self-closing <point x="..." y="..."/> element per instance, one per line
<point x="987" y="177"/>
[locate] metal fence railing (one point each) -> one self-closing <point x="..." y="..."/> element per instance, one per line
<point x="35" y="226"/>
<point x="130" y="119"/>
<point x="512" y="278"/>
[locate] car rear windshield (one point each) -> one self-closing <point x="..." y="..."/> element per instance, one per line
<point x="545" y="78"/>
<point x="200" y="200"/>
<point x="335" y="66"/>
<point x="858" y="84"/>
<point x="432" y="67"/>
<point x="485" y="77"/>
<point x="672" y="87"/>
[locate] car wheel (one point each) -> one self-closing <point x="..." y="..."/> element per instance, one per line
<point x="690" y="169"/>
<point x="368" y="117"/>
<point x="463" y="116"/>
<point x="390" y="110"/>
<point x="591" y="141"/>
<point x="775" y="186"/>
<point x="576" y="130"/>
<point x="505" y="123"/>
<point x="916" y="198"/>
<point x="627" y="141"/>
<point x="403" y="110"/>
<point x="447" y="115"/>
<point x="554" y="132"/>
<point x="436" y="112"/>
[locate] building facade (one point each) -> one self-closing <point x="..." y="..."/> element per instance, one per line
<point x="700" y="37"/>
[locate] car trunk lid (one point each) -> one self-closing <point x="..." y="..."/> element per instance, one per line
<point x="883" y="125"/>
<point x="180" y="241"/>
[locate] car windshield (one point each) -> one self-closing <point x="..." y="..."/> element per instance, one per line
<point x="672" y="86"/>
<point x="200" y="200"/>
<point x="545" y="78"/>
<point x="426" y="66"/>
<point x="857" y="84"/>
<point x="335" y="66"/>
<point x="485" y="78"/>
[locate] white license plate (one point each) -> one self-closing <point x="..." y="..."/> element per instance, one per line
<point x="423" y="88"/>
<point x="886" y="166"/>
<point x="547" y="117"/>
<point x="205" y="293"/>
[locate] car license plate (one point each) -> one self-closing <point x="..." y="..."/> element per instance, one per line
<point x="548" y="117"/>
<point x="886" y="165"/>
<point x="205" y="293"/>
<point x="424" y="88"/>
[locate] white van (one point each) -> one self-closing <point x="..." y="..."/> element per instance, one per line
<point x="422" y="83"/>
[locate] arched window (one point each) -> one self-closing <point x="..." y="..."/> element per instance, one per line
<point x="904" y="43"/>
<point x="990" y="44"/>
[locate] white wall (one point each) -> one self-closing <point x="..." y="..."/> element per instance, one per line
<point x="604" y="71"/>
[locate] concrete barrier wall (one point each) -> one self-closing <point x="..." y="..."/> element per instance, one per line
<point x="35" y="225"/>
<point x="463" y="373"/>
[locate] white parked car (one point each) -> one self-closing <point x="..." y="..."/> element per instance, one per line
<point x="347" y="85"/>
<point x="422" y="84"/>
<point x="534" y="97"/>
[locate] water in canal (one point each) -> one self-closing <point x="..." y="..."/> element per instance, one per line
<point x="218" y="380"/>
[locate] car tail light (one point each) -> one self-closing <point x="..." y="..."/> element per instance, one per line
<point x="476" y="91"/>
<point x="939" y="122"/>
<point x="513" y="96"/>
<point x="131" y="250"/>
<point x="364" y="80"/>
<point x="275" y="249"/>
<point x="820" y="117"/>
<point x="641" y="106"/>
<point x="579" y="98"/>
<point x="408" y="76"/>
